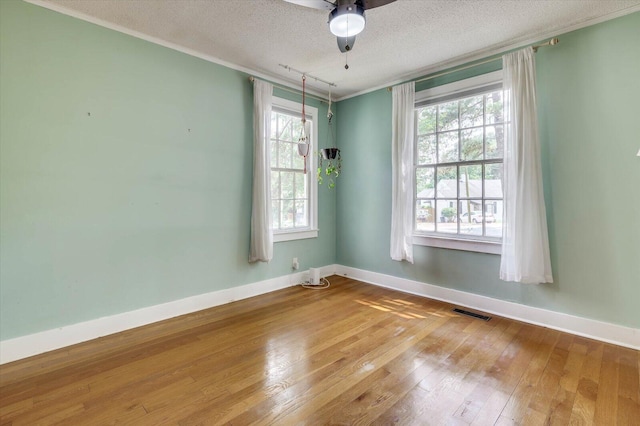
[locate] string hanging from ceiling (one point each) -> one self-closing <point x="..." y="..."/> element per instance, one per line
<point x="303" y="140"/>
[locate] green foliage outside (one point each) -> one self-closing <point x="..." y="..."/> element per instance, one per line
<point x="449" y="213"/>
<point x="459" y="128"/>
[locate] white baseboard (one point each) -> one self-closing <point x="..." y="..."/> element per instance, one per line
<point x="45" y="341"/>
<point x="603" y="331"/>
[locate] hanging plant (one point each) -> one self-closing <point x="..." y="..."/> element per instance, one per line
<point x="329" y="161"/>
<point x="329" y="166"/>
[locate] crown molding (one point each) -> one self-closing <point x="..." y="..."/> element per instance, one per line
<point x="441" y="66"/>
<point x="173" y="46"/>
<point x="495" y="50"/>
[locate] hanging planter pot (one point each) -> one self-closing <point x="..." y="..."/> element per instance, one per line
<point x="303" y="149"/>
<point x="329" y="166"/>
<point x="330" y="153"/>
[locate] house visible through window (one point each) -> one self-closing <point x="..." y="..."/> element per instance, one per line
<point x="458" y="154"/>
<point x="293" y="194"/>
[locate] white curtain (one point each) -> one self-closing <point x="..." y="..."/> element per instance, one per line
<point x="525" y="242"/>
<point x="402" y="172"/>
<point x="261" y="248"/>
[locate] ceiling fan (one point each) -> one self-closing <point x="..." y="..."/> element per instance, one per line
<point x="346" y="17"/>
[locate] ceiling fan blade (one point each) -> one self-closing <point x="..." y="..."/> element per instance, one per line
<point x="370" y="4"/>
<point x="314" y="4"/>
<point x="345" y="44"/>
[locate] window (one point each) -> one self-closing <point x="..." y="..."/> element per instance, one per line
<point x="459" y="145"/>
<point x="293" y="193"/>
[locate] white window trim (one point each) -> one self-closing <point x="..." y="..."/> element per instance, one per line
<point x="479" y="246"/>
<point x="489" y="247"/>
<point x="282" y="235"/>
<point x="459" y="86"/>
<point x="286" y="235"/>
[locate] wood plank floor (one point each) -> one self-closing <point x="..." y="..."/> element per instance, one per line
<point x="351" y="354"/>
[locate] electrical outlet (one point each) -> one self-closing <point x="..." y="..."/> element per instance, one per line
<point x="295" y="265"/>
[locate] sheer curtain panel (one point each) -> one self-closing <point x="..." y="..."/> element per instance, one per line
<point x="525" y="243"/>
<point x="261" y="248"/>
<point x="402" y="172"/>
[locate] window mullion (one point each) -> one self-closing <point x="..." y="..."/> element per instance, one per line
<point x="484" y="127"/>
<point x="484" y="222"/>
<point x="437" y="134"/>
<point x="458" y="199"/>
<point x="283" y="169"/>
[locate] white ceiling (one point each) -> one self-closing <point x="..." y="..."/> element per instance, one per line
<point x="402" y="40"/>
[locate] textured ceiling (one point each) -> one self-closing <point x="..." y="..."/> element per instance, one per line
<point x="402" y="40"/>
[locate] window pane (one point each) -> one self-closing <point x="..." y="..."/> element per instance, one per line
<point x="470" y="182"/>
<point x="448" y="116"/>
<point x="298" y="160"/>
<point x="471" y="144"/>
<point x="471" y="112"/>
<point x="425" y="182"/>
<point x="493" y="181"/>
<point x="494" y="141"/>
<point x="427" y="120"/>
<point x="275" y="214"/>
<point x="425" y="217"/>
<point x="286" y="185"/>
<point x="296" y="132"/>
<point x="427" y="149"/>
<point x="446" y="185"/>
<point x="493" y="214"/>
<point x="284" y="127"/>
<point x="300" y="185"/>
<point x="447" y="215"/>
<point x="448" y="147"/>
<point x="286" y="218"/>
<point x="301" y="219"/>
<point x="284" y="155"/>
<point x="470" y="217"/>
<point x="274" y="154"/>
<point x="275" y="185"/>
<point x="274" y="126"/>
<point x="495" y="112"/>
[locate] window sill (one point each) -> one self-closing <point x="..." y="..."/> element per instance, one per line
<point x="294" y="235"/>
<point x="489" y="247"/>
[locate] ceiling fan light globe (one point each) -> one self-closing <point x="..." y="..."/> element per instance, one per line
<point x="347" y="20"/>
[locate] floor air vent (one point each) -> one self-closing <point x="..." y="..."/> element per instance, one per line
<point x="472" y="314"/>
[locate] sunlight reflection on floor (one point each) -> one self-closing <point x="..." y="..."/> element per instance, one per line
<point x="403" y="308"/>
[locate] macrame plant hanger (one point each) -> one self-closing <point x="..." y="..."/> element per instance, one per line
<point x="329" y="160"/>
<point x="303" y="141"/>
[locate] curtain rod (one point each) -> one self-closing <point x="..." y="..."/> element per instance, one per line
<point x="551" y="42"/>
<point x="297" y="92"/>
<point x="288" y="68"/>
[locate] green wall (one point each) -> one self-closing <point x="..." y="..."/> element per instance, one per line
<point x="147" y="199"/>
<point x="126" y="174"/>
<point x="589" y="111"/>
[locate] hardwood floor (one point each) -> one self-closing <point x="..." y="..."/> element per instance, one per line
<point x="351" y="354"/>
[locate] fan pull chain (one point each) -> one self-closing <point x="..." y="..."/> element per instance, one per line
<point x="346" y="56"/>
